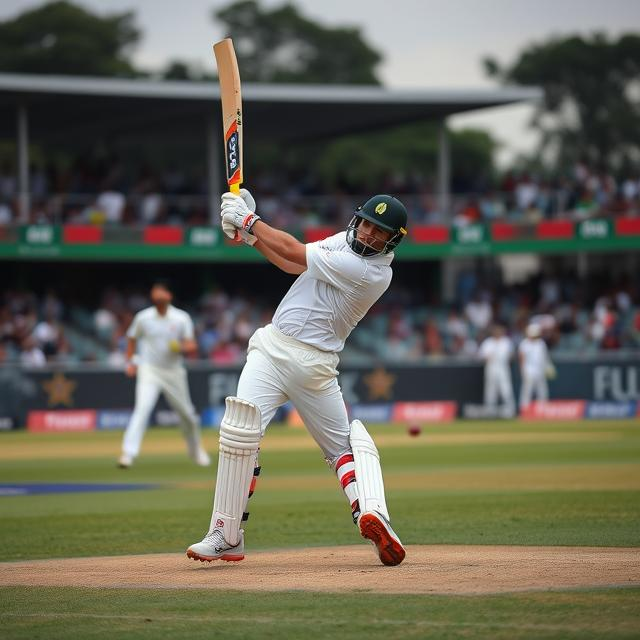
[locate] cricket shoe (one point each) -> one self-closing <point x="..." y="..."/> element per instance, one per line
<point x="215" y="547"/>
<point x="125" y="461"/>
<point x="376" y="528"/>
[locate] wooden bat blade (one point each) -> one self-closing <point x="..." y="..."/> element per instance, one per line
<point x="231" y="99"/>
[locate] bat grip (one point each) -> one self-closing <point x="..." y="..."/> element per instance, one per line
<point x="235" y="189"/>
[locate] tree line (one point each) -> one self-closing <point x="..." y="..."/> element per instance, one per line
<point x="590" y="112"/>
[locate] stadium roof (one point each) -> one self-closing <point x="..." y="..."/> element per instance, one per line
<point x="286" y="112"/>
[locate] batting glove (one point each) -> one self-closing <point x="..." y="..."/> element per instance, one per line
<point x="246" y="237"/>
<point x="237" y="213"/>
<point x="245" y="195"/>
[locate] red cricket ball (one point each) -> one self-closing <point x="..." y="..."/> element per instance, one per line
<point x="414" y="430"/>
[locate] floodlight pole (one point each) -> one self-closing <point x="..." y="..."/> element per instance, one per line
<point x="23" y="163"/>
<point x="213" y="170"/>
<point x="444" y="170"/>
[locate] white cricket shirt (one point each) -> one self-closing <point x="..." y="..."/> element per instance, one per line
<point x="535" y="357"/>
<point x="154" y="334"/>
<point x="496" y="352"/>
<point x="328" y="300"/>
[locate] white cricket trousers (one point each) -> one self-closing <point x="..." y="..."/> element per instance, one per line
<point x="497" y="386"/>
<point x="150" y="383"/>
<point x="280" y="368"/>
<point x="533" y="384"/>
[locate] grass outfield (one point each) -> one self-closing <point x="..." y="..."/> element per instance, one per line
<point x="468" y="483"/>
<point x="92" y="613"/>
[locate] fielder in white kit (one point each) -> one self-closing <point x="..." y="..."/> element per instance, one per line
<point x="161" y="334"/>
<point x="295" y="358"/>
<point x="535" y="367"/>
<point x="497" y="351"/>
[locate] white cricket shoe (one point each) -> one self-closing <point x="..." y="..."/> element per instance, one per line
<point x="215" y="547"/>
<point x="201" y="457"/>
<point x="125" y="461"/>
<point x="377" y="529"/>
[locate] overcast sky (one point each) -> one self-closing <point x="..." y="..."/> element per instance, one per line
<point x="425" y="43"/>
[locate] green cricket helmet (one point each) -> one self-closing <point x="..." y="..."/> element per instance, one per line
<point x="385" y="212"/>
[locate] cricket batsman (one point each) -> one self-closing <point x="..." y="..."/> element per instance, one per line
<point x="161" y="334"/>
<point x="296" y="357"/>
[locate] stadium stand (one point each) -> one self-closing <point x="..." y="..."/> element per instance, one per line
<point x="35" y="330"/>
<point x="101" y="191"/>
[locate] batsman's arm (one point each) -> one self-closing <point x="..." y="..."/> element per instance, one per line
<point x="283" y="244"/>
<point x="275" y="259"/>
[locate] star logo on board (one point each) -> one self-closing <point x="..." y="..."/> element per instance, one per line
<point x="60" y="390"/>
<point x="380" y="384"/>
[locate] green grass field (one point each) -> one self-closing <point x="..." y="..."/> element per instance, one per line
<point x="468" y="483"/>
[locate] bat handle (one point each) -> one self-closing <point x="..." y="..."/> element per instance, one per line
<point x="235" y="189"/>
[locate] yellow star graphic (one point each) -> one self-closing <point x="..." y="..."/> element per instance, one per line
<point x="60" y="390"/>
<point x="380" y="384"/>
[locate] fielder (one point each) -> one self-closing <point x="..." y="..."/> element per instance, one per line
<point x="295" y="358"/>
<point x="497" y="351"/>
<point x="535" y="367"/>
<point x="161" y="333"/>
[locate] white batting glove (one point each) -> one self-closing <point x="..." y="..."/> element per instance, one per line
<point x="238" y="213"/>
<point x="235" y="213"/>
<point x="234" y="220"/>
<point x="249" y="200"/>
<point x="229" y="198"/>
<point x="229" y="229"/>
<point x="246" y="237"/>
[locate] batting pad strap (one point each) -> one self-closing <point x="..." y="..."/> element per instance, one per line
<point x="240" y="433"/>
<point x="368" y="472"/>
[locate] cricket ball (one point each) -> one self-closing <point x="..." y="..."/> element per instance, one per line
<point x="414" y="430"/>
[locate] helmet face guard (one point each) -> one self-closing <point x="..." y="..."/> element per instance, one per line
<point x="362" y="247"/>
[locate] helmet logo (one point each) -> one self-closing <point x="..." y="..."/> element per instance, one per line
<point x="381" y="208"/>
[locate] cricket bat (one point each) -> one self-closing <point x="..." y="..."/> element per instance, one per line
<point x="231" y="98"/>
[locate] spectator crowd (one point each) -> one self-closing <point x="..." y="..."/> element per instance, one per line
<point x="36" y="330"/>
<point x="105" y="192"/>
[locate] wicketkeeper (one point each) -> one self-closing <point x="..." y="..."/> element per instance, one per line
<point x="296" y="357"/>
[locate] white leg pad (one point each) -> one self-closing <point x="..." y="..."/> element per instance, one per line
<point x="368" y="472"/>
<point x="240" y="433"/>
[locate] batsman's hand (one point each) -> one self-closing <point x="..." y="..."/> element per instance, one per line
<point x="247" y="238"/>
<point x="131" y="370"/>
<point x="244" y="195"/>
<point x="238" y="213"/>
<point x="233" y="232"/>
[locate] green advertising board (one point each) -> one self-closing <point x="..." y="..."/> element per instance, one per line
<point x="36" y="240"/>
<point x="203" y="237"/>
<point x="471" y="239"/>
<point x="208" y="244"/>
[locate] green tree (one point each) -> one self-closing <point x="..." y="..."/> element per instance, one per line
<point x="185" y="71"/>
<point x="365" y="160"/>
<point x="591" y="106"/>
<point x="61" y="37"/>
<point x="281" y="45"/>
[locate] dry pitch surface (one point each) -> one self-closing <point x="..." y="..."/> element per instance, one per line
<point x="437" y="569"/>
